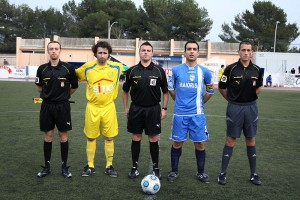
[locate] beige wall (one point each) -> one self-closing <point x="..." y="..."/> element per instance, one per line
<point x="34" y="52"/>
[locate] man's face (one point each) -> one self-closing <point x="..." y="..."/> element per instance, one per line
<point x="54" y="51"/>
<point x="146" y="53"/>
<point x="191" y="52"/>
<point x="102" y="55"/>
<point x="245" y="52"/>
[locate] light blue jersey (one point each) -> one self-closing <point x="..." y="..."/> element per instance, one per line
<point x="190" y="84"/>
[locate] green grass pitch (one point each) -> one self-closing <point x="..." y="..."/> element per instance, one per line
<point x="21" y="147"/>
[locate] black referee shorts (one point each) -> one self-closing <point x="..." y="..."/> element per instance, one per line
<point x="242" y="117"/>
<point x="144" y="118"/>
<point x="55" y="114"/>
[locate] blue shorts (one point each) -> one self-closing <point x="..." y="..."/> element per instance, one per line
<point x="192" y="125"/>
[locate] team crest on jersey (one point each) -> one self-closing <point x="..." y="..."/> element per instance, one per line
<point x="224" y="78"/>
<point x="192" y="77"/>
<point x="153" y="82"/>
<point x="110" y="74"/>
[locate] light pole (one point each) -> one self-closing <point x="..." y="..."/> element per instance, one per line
<point x="109" y="28"/>
<point x="277" y="22"/>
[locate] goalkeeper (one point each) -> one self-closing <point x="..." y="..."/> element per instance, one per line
<point x="102" y="77"/>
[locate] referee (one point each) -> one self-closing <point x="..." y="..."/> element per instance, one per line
<point x="240" y="84"/>
<point x="145" y="81"/>
<point x="56" y="81"/>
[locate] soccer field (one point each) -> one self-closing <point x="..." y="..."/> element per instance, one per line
<point x="21" y="147"/>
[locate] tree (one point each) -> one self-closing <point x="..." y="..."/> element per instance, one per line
<point x="177" y="19"/>
<point x="259" y="27"/>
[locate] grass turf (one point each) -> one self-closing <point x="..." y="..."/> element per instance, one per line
<point x="21" y="148"/>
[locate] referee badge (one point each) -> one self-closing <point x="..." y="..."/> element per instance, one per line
<point x="153" y="82"/>
<point x="224" y="78"/>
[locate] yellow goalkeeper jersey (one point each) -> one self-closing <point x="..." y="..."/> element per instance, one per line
<point x="102" y="81"/>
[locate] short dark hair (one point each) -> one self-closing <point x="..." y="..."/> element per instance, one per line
<point x="102" y="44"/>
<point x="56" y="42"/>
<point x="192" y="42"/>
<point x="146" y="44"/>
<point x="247" y="42"/>
<point x="222" y="66"/>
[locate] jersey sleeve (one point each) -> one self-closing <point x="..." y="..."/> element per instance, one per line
<point x="80" y="72"/>
<point x="223" y="82"/>
<point x="73" y="78"/>
<point x="171" y="80"/>
<point x="209" y="85"/>
<point x="260" y="79"/>
<point x="127" y="83"/>
<point x="164" y="85"/>
<point x="38" y="78"/>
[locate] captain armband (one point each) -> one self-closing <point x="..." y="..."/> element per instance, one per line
<point x="210" y="88"/>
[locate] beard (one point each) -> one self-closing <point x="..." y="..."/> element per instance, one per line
<point x="102" y="60"/>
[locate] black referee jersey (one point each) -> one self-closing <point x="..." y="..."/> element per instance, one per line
<point x="56" y="81"/>
<point x="145" y="84"/>
<point x="241" y="82"/>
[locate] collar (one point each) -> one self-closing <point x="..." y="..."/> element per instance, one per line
<point x="250" y="66"/>
<point x="150" y="66"/>
<point x="58" y="64"/>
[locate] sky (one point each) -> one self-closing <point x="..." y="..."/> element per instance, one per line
<point x="220" y="11"/>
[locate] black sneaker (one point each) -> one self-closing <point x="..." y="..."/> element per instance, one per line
<point x="44" y="172"/>
<point x="203" y="177"/>
<point x="133" y="173"/>
<point x="222" y="179"/>
<point x="111" y="172"/>
<point x="254" y="178"/>
<point x="172" y="176"/>
<point x="88" y="171"/>
<point x="156" y="172"/>
<point x="65" y="172"/>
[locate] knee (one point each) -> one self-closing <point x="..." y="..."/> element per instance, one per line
<point x="153" y="138"/>
<point x="250" y="141"/>
<point x="230" y="142"/>
<point x="109" y="139"/>
<point x="136" y="137"/>
<point x="63" y="136"/>
<point x="177" y="145"/>
<point x="48" y="137"/>
<point x="199" y="146"/>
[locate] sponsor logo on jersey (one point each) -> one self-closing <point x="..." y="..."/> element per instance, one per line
<point x="188" y="85"/>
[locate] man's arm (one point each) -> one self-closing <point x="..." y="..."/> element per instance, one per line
<point x="172" y="94"/>
<point x="258" y="90"/>
<point x="72" y="90"/>
<point x="164" y="105"/>
<point x="125" y="102"/>
<point x="39" y="88"/>
<point x="207" y="96"/>
<point x="223" y="93"/>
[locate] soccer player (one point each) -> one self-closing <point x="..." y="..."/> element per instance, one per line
<point x="56" y="81"/>
<point x="240" y="85"/>
<point x="191" y="87"/>
<point x="102" y="77"/>
<point x="220" y="73"/>
<point x="145" y="81"/>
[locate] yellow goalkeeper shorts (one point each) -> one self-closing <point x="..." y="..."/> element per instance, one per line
<point x="104" y="119"/>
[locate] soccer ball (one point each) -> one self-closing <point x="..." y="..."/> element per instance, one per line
<point x="150" y="184"/>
